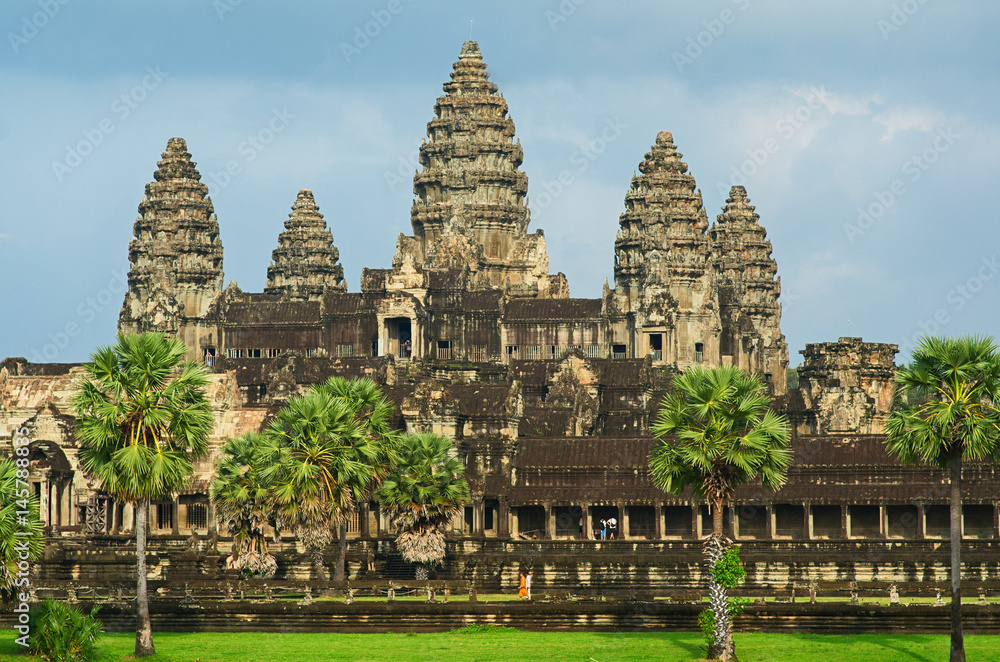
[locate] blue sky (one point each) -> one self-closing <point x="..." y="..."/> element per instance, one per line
<point x="866" y="133"/>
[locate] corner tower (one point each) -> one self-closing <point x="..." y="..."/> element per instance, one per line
<point x="749" y="287"/>
<point x="175" y="256"/>
<point x="663" y="272"/>
<point x="305" y="263"/>
<point x="471" y="209"/>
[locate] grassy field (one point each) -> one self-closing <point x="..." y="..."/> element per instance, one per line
<point x="504" y="644"/>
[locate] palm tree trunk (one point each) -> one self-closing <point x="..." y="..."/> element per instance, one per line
<point x="722" y="647"/>
<point x="317" y="557"/>
<point x="338" y="571"/>
<point x="143" y="627"/>
<point x="957" y="639"/>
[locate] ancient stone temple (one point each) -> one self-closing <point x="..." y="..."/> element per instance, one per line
<point x="549" y="399"/>
<point x="471" y="208"/>
<point x="305" y="263"/>
<point x="176" y="255"/>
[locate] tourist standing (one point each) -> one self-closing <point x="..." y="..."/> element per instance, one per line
<point x="604" y="528"/>
<point x="613" y="528"/>
<point x="527" y="584"/>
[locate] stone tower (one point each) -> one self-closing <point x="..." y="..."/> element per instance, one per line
<point x="663" y="272"/>
<point x="305" y="263"/>
<point x="470" y="209"/>
<point x="845" y="387"/>
<point x="176" y="254"/>
<point x="747" y="279"/>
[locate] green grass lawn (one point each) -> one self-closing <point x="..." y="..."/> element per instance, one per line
<point x="505" y="644"/>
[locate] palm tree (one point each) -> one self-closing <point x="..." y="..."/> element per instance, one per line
<point x="956" y="420"/>
<point x="242" y="499"/>
<point x="142" y="420"/>
<point x="20" y="526"/>
<point x="422" y="494"/>
<point x="327" y="449"/>
<point x="715" y="432"/>
<point x="372" y="412"/>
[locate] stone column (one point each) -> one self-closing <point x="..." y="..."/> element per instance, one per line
<point x="807" y="513"/>
<point x="588" y="527"/>
<point x="622" y="531"/>
<point x="996" y="521"/>
<point x="550" y="521"/>
<point x="128" y="517"/>
<point x="515" y="522"/>
<point x="503" y="521"/>
<point x="735" y="521"/>
<point x="883" y="522"/>
<point x="363" y="533"/>
<point x="479" y="518"/>
<point x="770" y="522"/>
<point x="210" y="516"/>
<point x="922" y="521"/>
<point x="696" y="521"/>
<point x="176" y="507"/>
<point x="43" y="505"/>
<point x="845" y="522"/>
<point x="658" y="514"/>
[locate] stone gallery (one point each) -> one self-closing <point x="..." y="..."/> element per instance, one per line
<point x="549" y="399"/>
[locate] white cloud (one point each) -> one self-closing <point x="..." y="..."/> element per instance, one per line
<point x="896" y="120"/>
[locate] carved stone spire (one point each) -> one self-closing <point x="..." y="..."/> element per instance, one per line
<point x="663" y="273"/>
<point x="176" y="254"/>
<point x="662" y="237"/>
<point x="471" y="208"/>
<point x="305" y="263"/>
<point x="749" y="288"/>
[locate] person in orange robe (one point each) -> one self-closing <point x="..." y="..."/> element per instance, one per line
<point x="523" y="589"/>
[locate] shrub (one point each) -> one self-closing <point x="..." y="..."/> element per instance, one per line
<point x="60" y="632"/>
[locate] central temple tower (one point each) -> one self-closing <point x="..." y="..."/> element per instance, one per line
<point x="471" y="206"/>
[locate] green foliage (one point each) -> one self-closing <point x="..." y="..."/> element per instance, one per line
<point x="142" y="418"/>
<point x="728" y="570"/>
<point x="61" y="633"/>
<point x="12" y="529"/>
<point x="242" y="497"/>
<point x="328" y="449"/>
<point x="424" y="491"/>
<point x="954" y="385"/>
<point x="724" y="435"/>
<point x="791" y="378"/>
<point x="484" y="628"/>
<point x="706" y="621"/>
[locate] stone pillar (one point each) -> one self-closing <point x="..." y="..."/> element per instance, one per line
<point x="503" y="521"/>
<point x="735" y="521"/>
<point x="922" y="521"/>
<point x="176" y="519"/>
<point x="213" y="527"/>
<point x="515" y="522"/>
<point x="622" y="531"/>
<point x="364" y="531"/>
<point x="883" y="522"/>
<point x="43" y="505"/>
<point x="996" y="521"/>
<point x="696" y="521"/>
<point x="845" y="522"/>
<point x="658" y="515"/>
<point x="550" y="521"/>
<point x="770" y="521"/>
<point x="128" y="517"/>
<point x="479" y="518"/>
<point x="807" y="518"/>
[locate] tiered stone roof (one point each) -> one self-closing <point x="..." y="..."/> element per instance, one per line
<point x="176" y="253"/>
<point x="305" y="263"/>
<point x="662" y="237"/>
<point x="742" y="257"/>
<point x="747" y="278"/>
<point x="470" y="209"/>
